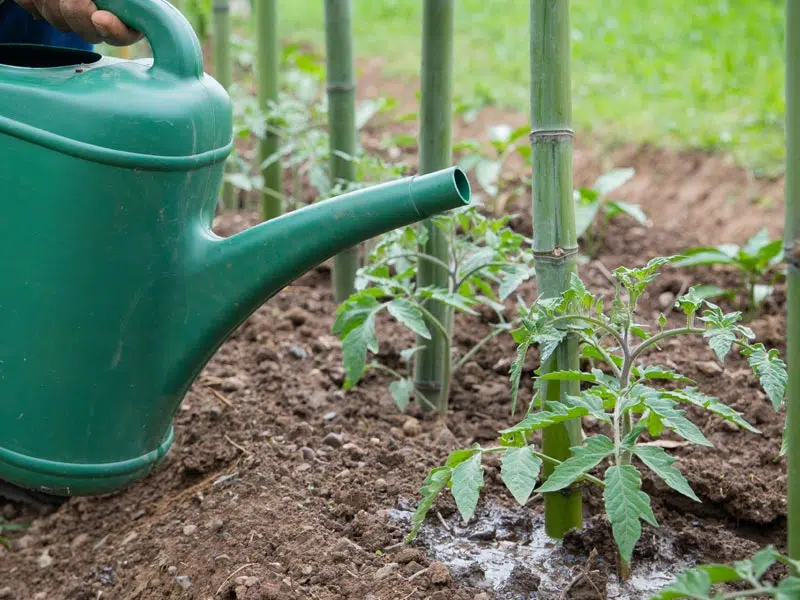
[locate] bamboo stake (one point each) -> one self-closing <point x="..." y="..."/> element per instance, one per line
<point x="267" y="63"/>
<point x="341" y="124"/>
<point x="792" y="237"/>
<point x="223" y="68"/>
<point x="555" y="242"/>
<point x="432" y="364"/>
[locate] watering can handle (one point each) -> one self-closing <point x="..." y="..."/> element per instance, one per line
<point x="176" y="49"/>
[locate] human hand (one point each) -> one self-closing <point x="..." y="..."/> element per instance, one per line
<point x="84" y="18"/>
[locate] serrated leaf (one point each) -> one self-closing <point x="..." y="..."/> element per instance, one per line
<point x="692" y="583"/>
<point x="661" y="464"/>
<point x="516" y="373"/>
<point x="584" y="459"/>
<point x="512" y="278"/>
<point x="555" y="412"/>
<point x="625" y="504"/>
<point x="592" y="402"/>
<point x="759" y="564"/>
<point x="410" y="316"/>
<point x="654" y="372"/>
<point x="713" y="405"/>
<point x="548" y="338"/>
<point x="789" y="589"/>
<point x="479" y="259"/>
<point x="691" y="301"/>
<point x="434" y="483"/>
<point x="721" y="341"/>
<point x="355" y="346"/>
<point x="674" y="420"/>
<point x="467" y="482"/>
<point x="451" y="299"/>
<point x="519" y="469"/>
<point x="770" y="370"/>
<point x="401" y="391"/>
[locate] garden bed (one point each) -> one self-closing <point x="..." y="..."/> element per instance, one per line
<point x="282" y="486"/>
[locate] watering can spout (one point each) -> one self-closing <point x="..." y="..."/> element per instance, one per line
<point x="234" y="276"/>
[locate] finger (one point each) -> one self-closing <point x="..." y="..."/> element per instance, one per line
<point x="78" y="15"/>
<point x="114" y="31"/>
<point x="30" y="6"/>
<point x="51" y="11"/>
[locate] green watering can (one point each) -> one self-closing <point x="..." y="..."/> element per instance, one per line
<point x="115" y="293"/>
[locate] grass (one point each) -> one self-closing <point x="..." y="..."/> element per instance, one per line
<point x="702" y="74"/>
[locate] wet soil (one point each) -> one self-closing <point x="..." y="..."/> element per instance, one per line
<point x="282" y="486"/>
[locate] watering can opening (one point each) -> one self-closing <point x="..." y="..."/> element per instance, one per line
<point x="33" y="56"/>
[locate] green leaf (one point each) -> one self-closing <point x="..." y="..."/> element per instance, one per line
<point x="706" y="256"/>
<point x="519" y="469"/>
<point x="401" y="391"/>
<point x="613" y="179"/>
<point x="674" y="419"/>
<point x="625" y="504"/>
<point x="353" y="312"/>
<point x="451" y="299"/>
<point x="516" y="373"/>
<point x="513" y="277"/>
<point x="587" y="205"/>
<point x="789" y="589"/>
<point x="554" y="412"/>
<point x="410" y="316"/>
<point x="691" y="301"/>
<point x="661" y="464"/>
<point x="456" y="457"/>
<point x="692" y="583"/>
<point x="479" y="259"/>
<point x="632" y="210"/>
<point x="592" y="402"/>
<point x="584" y="459"/>
<point x="654" y="372"/>
<point x="434" y="483"/>
<point x="721" y="341"/>
<point x="770" y="370"/>
<point x="713" y="405"/>
<point x="467" y="482"/>
<point x="568" y="376"/>
<point x="354" y="349"/>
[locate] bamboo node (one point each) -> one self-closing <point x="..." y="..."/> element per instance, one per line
<point x="428" y="386"/>
<point x="557" y="254"/>
<point x="556" y="134"/>
<point x="340" y="87"/>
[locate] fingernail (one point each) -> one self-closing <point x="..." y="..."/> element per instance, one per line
<point x="101" y="30"/>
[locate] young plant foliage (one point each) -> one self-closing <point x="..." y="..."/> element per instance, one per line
<point x="634" y="400"/>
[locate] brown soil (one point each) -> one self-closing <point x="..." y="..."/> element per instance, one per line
<point x="280" y="485"/>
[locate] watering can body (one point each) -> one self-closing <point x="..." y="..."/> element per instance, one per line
<point x="115" y="292"/>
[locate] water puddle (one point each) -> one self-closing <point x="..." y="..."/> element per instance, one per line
<point x="509" y="553"/>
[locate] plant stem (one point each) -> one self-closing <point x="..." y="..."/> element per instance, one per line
<point x="433" y="363"/>
<point x="472" y="272"/>
<point x="267" y="62"/>
<point x="661" y="336"/>
<point x="551" y="460"/>
<point x="555" y="244"/>
<point x="341" y="125"/>
<point x="477" y="347"/>
<point x="792" y="254"/>
<point x="223" y="68"/>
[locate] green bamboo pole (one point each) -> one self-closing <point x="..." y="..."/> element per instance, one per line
<point x="341" y="124"/>
<point x="555" y="241"/>
<point x="792" y="236"/>
<point x="267" y="63"/>
<point x="432" y="364"/>
<point x="223" y="71"/>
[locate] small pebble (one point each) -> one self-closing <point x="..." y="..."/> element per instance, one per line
<point x="334" y="440"/>
<point x="217" y="525"/>
<point x="45" y="560"/>
<point x="189" y="529"/>
<point x="384" y="572"/>
<point x="298" y="352"/>
<point x="172" y="569"/>
<point x="232" y="384"/>
<point x="666" y="300"/>
<point x="353" y="450"/>
<point x="329" y="416"/>
<point x="708" y="367"/>
<point x="375" y="441"/>
<point x="303" y="467"/>
<point x="251" y="581"/>
<point x="439" y="573"/>
<point x="307" y="453"/>
<point x="297" y="316"/>
<point x="184" y="581"/>
<point x="411" y="427"/>
<point x="380" y="485"/>
<point x="481" y="596"/>
<point x="6" y="592"/>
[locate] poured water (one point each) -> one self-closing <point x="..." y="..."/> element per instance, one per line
<point x="509" y="553"/>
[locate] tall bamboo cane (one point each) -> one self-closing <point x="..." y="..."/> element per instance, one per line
<point x="267" y="63"/>
<point x="555" y="242"/>
<point x="432" y="364"/>
<point x="341" y="124"/>
<point x="223" y="71"/>
<point x="792" y="236"/>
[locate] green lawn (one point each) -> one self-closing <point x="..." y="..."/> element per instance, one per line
<point x="698" y="73"/>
